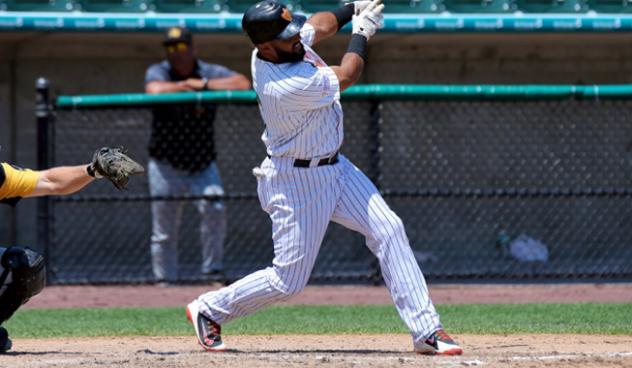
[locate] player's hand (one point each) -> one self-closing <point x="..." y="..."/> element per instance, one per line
<point x="369" y="20"/>
<point x="195" y="84"/>
<point x="360" y="5"/>
<point x="185" y="86"/>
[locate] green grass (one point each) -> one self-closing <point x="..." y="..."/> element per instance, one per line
<point x="476" y="319"/>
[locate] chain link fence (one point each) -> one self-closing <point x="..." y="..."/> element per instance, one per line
<point x="496" y="188"/>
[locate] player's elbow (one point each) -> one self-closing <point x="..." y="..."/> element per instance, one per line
<point x="153" y="88"/>
<point x="346" y="80"/>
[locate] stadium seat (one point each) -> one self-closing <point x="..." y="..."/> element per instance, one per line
<point x="414" y="6"/>
<point x="480" y="6"/>
<point x="240" y="6"/>
<point x="40" y="5"/>
<point x="552" y="6"/>
<point x="189" y="6"/>
<point x="114" y="6"/>
<point x="610" y="6"/>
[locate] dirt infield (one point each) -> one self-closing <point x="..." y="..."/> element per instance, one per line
<point x="322" y="351"/>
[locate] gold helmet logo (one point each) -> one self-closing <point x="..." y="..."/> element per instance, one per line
<point x="286" y="15"/>
<point x="174" y="32"/>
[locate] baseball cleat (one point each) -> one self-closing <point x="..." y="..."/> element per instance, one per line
<point x="439" y="343"/>
<point x="5" y="341"/>
<point x="208" y="333"/>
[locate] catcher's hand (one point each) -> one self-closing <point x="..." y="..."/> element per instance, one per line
<point x="114" y="164"/>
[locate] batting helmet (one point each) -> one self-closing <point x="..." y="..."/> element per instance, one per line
<point x="268" y="20"/>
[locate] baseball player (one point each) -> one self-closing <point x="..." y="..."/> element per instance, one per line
<point x="22" y="273"/>
<point x="182" y="156"/>
<point x="305" y="182"/>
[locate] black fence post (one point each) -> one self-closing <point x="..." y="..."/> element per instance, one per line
<point x="43" y="116"/>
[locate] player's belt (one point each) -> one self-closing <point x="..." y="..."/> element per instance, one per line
<point x="322" y="162"/>
<point x="312" y="163"/>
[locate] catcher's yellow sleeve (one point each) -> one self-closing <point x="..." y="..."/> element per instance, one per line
<point x="16" y="182"/>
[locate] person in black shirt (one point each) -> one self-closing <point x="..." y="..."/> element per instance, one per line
<point x="182" y="154"/>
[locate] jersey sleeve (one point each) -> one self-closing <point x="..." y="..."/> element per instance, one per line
<point x="212" y="71"/>
<point x="156" y="73"/>
<point x="17" y="183"/>
<point x="311" y="89"/>
<point x="308" y="33"/>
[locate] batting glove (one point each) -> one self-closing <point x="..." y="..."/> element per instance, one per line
<point x="369" y="20"/>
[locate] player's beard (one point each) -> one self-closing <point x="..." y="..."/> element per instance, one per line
<point x="291" y="57"/>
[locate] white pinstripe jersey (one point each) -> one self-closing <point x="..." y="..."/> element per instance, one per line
<point x="299" y="103"/>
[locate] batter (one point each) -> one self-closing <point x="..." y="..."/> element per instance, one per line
<point x="305" y="182"/>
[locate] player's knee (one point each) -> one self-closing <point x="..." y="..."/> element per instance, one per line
<point x="27" y="275"/>
<point x="398" y="226"/>
<point x="292" y="287"/>
<point x="294" y="290"/>
<point x="393" y="226"/>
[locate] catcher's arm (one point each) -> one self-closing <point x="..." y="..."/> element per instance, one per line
<point x="61" y="181"/>
<point x="23" y="183"/>
<point x="110" y="163"/>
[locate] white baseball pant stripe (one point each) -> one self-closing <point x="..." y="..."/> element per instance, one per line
<point x="301" y="202"/>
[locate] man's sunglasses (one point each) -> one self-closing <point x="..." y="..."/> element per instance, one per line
<point x="177" y="47"/>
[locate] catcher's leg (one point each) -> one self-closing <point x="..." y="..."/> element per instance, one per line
<point x="212" y="219"/>
<point x="5" y="341"/>
<point x="166" y="216"/>
<point x="25" y="268"/>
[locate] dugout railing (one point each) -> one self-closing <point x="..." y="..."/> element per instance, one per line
<point x="484" y="177"/>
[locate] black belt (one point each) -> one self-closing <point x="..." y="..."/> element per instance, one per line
<point x="325" y="161"/>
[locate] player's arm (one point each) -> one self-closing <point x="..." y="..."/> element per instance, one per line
<point x="166" y="87"/>
<point x="61" y="181"/>
<point x="23" y="183"/>
<point x="235" y="82"/>
<point x="328" y="23"/>
<point x="349" y="70"/>
<point x="364" y="26"/>
<point x="157" y="81"/>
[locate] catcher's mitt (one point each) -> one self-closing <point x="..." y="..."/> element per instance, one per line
<point x="114" y="164"/>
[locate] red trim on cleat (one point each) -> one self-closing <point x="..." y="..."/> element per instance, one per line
<point x="208" y="333"/>
<point x="451" y="352"/>
<point x="189" y="315"/>
<point x="440" y="343"/>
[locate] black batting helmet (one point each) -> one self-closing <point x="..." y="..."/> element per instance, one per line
<point x="268" y="20"/>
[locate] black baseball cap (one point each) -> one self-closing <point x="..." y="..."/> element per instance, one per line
<point x="268" y="20"/>
<point x="176" y="35"/>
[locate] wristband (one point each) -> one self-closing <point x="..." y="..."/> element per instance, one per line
<point x="344" y="14"/>
<point x="357" y="45"/>
<point x="205" y="81"/>
<point x="90" y="171"/>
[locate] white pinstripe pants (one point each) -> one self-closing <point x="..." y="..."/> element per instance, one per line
<point x="301" y="202"/>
